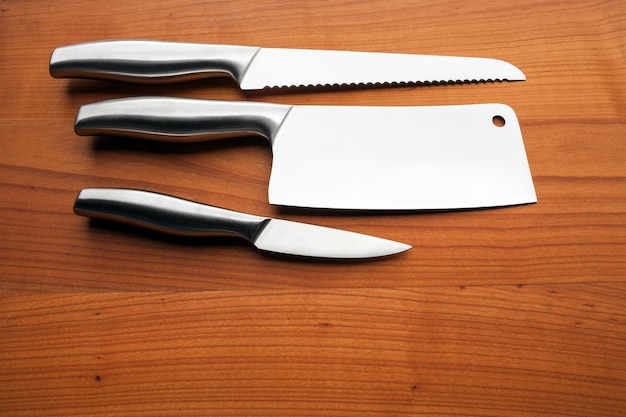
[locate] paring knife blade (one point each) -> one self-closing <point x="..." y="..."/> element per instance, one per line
<point x="350" y="157"/>
<point x="257" y="68"/>
<point x="177" y="216"/>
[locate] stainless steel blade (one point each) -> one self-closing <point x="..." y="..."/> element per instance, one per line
<point x="283" y="236"/>
<point x="256" y="68"/>
<point x="275" y="67"/>
<point x="400" y="158"/>
<point x="177" y="216"/>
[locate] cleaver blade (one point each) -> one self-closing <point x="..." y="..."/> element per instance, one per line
<point x="255" y="68"/>
<point x="349" y="157"/>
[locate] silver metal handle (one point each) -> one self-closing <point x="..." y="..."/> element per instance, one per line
<point x="180" y="119"/>
<point x="166" y="214"/>
<point x="150" y="61"/>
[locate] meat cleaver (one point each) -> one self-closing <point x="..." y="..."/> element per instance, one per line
<point x="256" y="68"/>
<point x="176" y="216"/>
<point x="349" y="157"/>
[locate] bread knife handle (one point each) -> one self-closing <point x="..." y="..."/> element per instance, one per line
<point x="166" y="214"/>
<point x="180" y="119"/>
<point x="150" y="61"/>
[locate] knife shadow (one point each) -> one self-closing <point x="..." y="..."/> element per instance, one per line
<point x="329" y="261"/>
<point x="302" y="211"/>
<point x="121" y="143"/>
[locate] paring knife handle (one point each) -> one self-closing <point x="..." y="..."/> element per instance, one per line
<point x="149" y="61"/>
<point x="179" y="119"/>
<point x="166" y="213"/>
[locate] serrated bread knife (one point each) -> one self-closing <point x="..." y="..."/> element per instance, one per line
<point x="256" y="68"/>
<point x="349" y="157"/>
<point x="176" y="216"/>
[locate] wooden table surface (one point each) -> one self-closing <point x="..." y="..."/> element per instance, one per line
<point x="516" y="311"/>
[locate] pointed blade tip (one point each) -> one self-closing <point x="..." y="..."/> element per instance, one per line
<point x="398" y="248"/>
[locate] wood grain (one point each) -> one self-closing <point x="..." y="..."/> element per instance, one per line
<point x="515" y="311"/>
<point x="405" y="351"/>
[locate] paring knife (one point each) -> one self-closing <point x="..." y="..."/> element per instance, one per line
<point x="343" y="157"/>
<point x="176" y="216"/>
<point x="257" y="68"/>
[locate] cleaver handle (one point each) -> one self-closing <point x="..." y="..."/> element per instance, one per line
<point x="166" y="214"/>
<point x="180" y="119"/>
<point x="150" y="61"/>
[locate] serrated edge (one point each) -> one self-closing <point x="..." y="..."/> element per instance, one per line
<point x="391" y="83"/>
